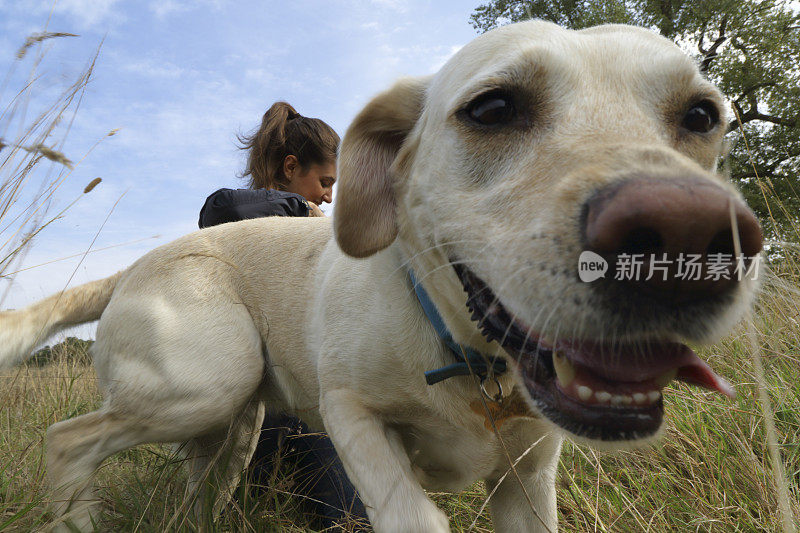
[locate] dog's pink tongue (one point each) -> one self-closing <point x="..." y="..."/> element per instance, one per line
<point x="644" y="363"/>
<point x="699" y="373"/>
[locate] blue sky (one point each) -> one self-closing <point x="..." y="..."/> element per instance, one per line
<point x="180" y="79"/>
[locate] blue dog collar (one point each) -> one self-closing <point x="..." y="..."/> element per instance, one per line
<point x="468" y="360"/>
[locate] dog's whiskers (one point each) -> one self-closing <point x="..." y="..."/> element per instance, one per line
<point x="436" y="247"/>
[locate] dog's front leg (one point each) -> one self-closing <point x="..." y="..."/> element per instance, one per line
<point x="525" y="501"/>
<point x="379" y="467"/>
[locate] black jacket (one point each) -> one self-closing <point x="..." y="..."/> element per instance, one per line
<point x="230" y="205"/>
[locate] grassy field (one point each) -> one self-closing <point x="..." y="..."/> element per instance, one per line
<point x="710" y="472"/>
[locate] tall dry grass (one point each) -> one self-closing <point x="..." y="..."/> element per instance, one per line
<point x="712" y="471"/>
<point x="33" y="166"/>
<point x="33" y="169"/>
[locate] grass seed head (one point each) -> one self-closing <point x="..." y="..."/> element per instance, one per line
<point x="37" y="38"/>
<point x="49" y="153"/>
<point x="92" y="185"/>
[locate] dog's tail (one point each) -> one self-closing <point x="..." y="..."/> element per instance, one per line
<point x="22" y="330"/>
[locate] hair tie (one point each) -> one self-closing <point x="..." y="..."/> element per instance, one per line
<point x="293" y="115"/>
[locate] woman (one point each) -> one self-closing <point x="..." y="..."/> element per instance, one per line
<point x="291" y="167"/>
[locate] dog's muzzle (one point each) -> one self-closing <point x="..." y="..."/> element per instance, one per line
<point x="603" y="391"/>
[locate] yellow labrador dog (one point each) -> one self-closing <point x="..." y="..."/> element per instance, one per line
<point x="486" y="184"/>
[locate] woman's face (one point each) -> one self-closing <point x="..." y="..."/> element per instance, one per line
<point x="315" y="184"/>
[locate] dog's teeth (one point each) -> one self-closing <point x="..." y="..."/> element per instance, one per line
<point x="653" y="396"/>
<point x="664" y="379"/>
<point x="584" y="392"/>
<point x="639" y="398"/>
<point x="621" y="399"/>
<point x="565" y="372"/>
<point x="602" y="396"/>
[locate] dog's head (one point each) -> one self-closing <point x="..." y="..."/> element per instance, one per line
<point x="532" y="146"/>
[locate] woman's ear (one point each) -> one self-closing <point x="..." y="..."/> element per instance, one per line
<point x="290" y="164"/>
<point x="365" y="218"/>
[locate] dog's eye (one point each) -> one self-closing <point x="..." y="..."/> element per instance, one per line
<point x="701" y="118"/>
<point x="491" y="109"/>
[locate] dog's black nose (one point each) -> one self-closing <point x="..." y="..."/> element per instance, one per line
<point x="674" y="236"/>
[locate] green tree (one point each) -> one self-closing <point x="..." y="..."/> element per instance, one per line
<point x="749" y="48"/>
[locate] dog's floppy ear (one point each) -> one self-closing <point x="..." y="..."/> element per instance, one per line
<point x="365" y="218"/>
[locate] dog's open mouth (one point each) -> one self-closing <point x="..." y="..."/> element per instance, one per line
<point x="604" y="391"/>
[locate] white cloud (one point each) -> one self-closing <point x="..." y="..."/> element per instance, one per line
<point x="158" y="69"/>
<point x="164" y="8"/>
<point x="79" y="14"/>
<point x="401" y="6"/>
<point x="260" y="76"/>
<point x="89" y="12"/>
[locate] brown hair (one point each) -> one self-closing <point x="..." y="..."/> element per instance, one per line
<point x="283" y="132"/>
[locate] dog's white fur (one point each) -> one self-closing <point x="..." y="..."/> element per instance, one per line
<point x="198" y="336"/>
